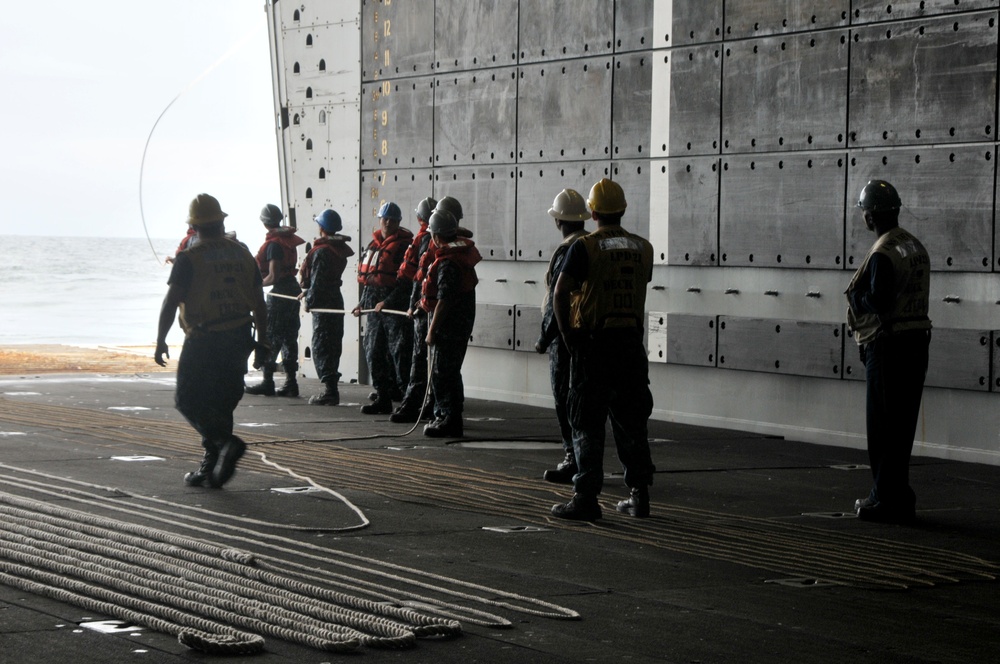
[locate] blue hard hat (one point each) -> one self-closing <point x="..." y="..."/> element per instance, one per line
<point x="329" y="221"/>
<point x="390" y="211"/>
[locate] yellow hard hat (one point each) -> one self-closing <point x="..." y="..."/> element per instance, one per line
<point x="569" y="206"/>
<point x="205" y="209"/>
<point x="607" y="197"/>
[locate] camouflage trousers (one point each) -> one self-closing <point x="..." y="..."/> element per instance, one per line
<point x="446" y="379"/>
<point x="283" y="334"/>
<point x="559" y="361"/>
<point x="388" y="344"/>
<point x="415" y="391"/>
<point x="327" y="346"/>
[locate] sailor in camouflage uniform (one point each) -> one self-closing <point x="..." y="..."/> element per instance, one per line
<point x="277" y="260"/>
<point x="408" y="286"/>
<point x="388" y="338"/>
<point x="321" y="277"/>
<point x="449" y="296"/>
<point x="570" y="212"/>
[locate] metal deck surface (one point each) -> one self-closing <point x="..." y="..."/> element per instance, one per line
<point x="748" y="556"/>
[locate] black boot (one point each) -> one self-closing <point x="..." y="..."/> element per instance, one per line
<point x="404" y="415"/>
<point x="580" y="508"/>
<point x="291" y="386"/>
<point x="380" y="406"/>
<point x="445" y="428"/>
<point x="330" y="396"/>
<point x="198" y="477"/>
<point x="564" y="472"/>
<point x="265" y="387"/>
<point x="637" y="504"/>
<point x="225" y="466"/>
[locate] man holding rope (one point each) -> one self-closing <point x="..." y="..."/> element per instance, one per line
<point x="276" y="260"/>
<point x="388" y="339"/>
<point x="321" y="277"/>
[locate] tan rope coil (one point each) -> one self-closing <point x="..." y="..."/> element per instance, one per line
<point x="196" y="590"/>
<point x="396" y="573"/>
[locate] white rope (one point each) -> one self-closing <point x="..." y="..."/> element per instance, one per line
<point x="361" y="515"/>
<point x="142" y="163"/>
<point x="394" y="312"/>
<point x="427" y="397"/>
<point x="225" y="582"/>
<point x="111" y="491"/>
<point x="167" y="575"/>
<point x="380" y="569"/>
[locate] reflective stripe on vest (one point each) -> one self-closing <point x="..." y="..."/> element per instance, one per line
<point x="911" y="271"/>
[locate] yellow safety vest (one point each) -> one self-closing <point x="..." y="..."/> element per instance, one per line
<point x="613" y="295"/>
<point x="911" y="268"/>
<point x="223" y="287"/>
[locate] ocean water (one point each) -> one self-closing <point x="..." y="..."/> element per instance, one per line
<point x="83" y="291"/>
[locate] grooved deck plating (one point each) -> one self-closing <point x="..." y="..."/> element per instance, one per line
<point x="778" y="546"/>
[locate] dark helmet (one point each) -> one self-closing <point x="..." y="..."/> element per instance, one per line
<point x="443" y="222"/>
<point x="271" y="215"/>
<point x="329" y="221"/>
<point x="390" y="211"/>
<point x="425" y="207"/>
<point x="449" y="204"/>
<point x="879" y="196"/>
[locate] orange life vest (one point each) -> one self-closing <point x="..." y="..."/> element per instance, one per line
<point x="288" y="241"/>
<point x="464" y="255"/>
<point x="379" y="264"/>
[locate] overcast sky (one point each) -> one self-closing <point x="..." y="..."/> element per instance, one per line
<point x="83" y="86"/>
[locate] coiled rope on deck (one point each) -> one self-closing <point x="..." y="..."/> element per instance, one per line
<point x="384" y="571"/>
<point x="387" y="594"/>
<point x="205" y="594"/>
